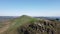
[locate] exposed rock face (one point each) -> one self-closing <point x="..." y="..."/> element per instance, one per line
<point x="38" y="28"/>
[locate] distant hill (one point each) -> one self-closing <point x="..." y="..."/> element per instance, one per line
<point x="30" y="25"/>
<point x="49" y="18"/>
<point x="5" y="18"/>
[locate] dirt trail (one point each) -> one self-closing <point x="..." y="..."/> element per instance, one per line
<point x="5" y="27"/>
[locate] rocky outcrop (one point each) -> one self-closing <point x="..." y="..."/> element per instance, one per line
<point x="44" y="27"/>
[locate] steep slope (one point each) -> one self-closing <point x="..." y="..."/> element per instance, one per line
<point x="29" y="25"/>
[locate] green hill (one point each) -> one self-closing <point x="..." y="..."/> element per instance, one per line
<point x="29" y="25"/>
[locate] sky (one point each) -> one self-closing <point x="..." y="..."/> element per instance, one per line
<point x="30" y="7"/>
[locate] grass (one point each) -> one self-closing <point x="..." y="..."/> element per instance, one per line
<point x="18" y="22"/>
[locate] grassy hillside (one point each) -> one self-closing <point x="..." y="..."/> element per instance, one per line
<point x="29" y="25"/>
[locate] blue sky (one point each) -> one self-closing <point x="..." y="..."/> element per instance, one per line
<point x="30" y="7"/>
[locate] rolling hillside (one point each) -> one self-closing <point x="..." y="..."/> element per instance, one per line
<point x="29" y="25"/>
